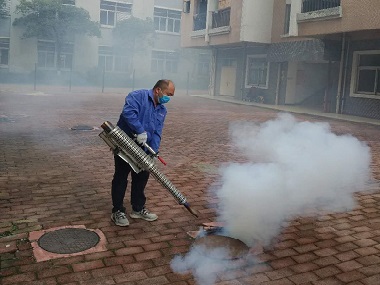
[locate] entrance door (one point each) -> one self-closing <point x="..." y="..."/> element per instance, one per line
<point x="228" y="81"/>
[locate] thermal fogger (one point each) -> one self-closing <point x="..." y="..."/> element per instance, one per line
<point x="128" y="150"/>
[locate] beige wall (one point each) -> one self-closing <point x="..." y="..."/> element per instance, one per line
<point x="250" y="21"/>
<point x="357" y="15"/>
<point x="256" y="22"/>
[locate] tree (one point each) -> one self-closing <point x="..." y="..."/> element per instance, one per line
<point x="133" y="35"/>
<point x="54" y="20"/>
<point x="2" y="7"/>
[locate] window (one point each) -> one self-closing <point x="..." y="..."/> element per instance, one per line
<point x="164" y="61"/>
<point x="257" y="71"/>
<point x="47" y="55"/>
<point x="167" y="20"/>
<point x="111" y="12"/>
<point x="287" y="18"/>
<point x="4" y="52"/>
<point x="204" y="61"/>
<point x="111" y="62"/>
<point x="368" y="73"/>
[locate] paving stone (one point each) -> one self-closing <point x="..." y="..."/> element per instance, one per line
<point x="54" y="176"/>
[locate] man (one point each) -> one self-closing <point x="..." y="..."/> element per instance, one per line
<point x="142" y="119"/>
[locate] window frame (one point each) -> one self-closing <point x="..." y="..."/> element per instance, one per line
<point x="114" y="58"/>
<point x="166" y="18"/>
<point x="164" y="61"/>
<point x="118" y="8"/>
<point x="260" y="56"/>
<point x="64" y="54"/>
<point x="355" y="68"/>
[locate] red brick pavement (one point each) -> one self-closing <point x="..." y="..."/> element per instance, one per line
<point x="52" y="176"/>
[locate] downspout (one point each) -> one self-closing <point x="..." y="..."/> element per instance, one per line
<point x="278" y="83"/>
<point x="244" y="71"/>
<point x="345" y="77"/>
<point x="208" y="16"/>
<point x="341" y="73"/>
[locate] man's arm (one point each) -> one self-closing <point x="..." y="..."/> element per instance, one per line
<point x="131" y="111"/>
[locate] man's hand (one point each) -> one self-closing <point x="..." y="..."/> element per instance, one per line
<point x="142" y="138"/>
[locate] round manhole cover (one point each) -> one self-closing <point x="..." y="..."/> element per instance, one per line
<point x="70" y="240"/>
<point x="82" y="128"/>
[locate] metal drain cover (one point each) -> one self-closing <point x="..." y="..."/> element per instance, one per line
<point x="69" y="240"/>
<point x="82" y="128"/>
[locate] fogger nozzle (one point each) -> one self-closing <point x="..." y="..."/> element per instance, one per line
<point x="128" y="150"/>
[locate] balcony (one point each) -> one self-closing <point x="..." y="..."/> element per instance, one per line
<point x="221" y="18"/>
<point x="315" y="10"/>
<point x="316" y="5"/>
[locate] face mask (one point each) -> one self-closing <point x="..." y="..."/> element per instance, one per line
<point x="164" y="99"/>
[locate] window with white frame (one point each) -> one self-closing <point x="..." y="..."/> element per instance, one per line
<point x="166" y="20"/>
<point x="111" y="12"/>
<point x="164" y="61"/>
<point x="257" y="71"/>
<point x="4" y="51"/>
<point x="367" y="73"/>
<point x="112" y="62"/>
<point x="47" y="55"/>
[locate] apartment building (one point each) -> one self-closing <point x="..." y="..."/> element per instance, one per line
<point x="89" y="58"/>
<point x="344" y="36"/>
<point x="318" y="53"/>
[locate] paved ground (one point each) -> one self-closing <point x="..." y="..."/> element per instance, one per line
<point x="53" y="176"/>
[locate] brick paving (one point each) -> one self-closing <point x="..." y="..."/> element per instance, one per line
<point x="52" y="176"/>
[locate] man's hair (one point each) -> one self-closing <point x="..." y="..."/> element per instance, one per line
<point x="163" y="84"/>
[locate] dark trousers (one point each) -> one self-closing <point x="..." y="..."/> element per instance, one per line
<point x="119" y="186"/>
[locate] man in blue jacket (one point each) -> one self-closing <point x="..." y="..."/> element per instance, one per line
<point x="143" y="119"/>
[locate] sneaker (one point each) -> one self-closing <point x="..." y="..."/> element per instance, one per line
<point x="120" y="219"/>
<point x="143" y="214"/>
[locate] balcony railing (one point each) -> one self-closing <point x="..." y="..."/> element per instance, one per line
<point x="199" y="21"/>
<point x="221" y="18"/>
<point x="316" y="5"/>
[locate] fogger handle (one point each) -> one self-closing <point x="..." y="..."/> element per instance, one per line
<point x="154" y="153"/>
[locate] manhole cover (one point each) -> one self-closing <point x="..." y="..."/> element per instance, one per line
<point x="82" y="128"/>
<point x="70" y="240"/>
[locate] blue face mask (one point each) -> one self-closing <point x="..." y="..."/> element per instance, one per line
<point x="164" y="99"/>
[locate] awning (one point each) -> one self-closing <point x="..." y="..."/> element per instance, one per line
<point x="307" y="50"/>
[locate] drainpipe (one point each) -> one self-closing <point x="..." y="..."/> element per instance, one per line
<point x="345" y="77"/>
<point x="208" y="20"/>
<point x="341" y="73"/>
<point x="278" y="83"/>
<point x="244" y="71"/>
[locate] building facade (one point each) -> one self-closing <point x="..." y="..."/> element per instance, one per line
<point x="317" y="53"/>
<point x="89" y="59"/>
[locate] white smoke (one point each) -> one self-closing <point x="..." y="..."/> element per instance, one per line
<point x="204" y="263"/>
<point x="292" y="169"/>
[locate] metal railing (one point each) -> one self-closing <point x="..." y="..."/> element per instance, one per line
<point x="221" y="18"/>
<point x="316" y="5"/>
<point x="199" y="21"/>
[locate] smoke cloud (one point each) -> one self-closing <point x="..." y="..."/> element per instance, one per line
<point x="292" y="169"/>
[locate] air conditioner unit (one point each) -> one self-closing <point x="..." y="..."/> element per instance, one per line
<point x="186" y="6"/>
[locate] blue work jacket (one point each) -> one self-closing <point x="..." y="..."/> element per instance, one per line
<point x="139" y="114"/>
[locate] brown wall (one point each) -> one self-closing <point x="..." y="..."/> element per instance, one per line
<point x="356" y="15"/>
<point x="279" y="23"/>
